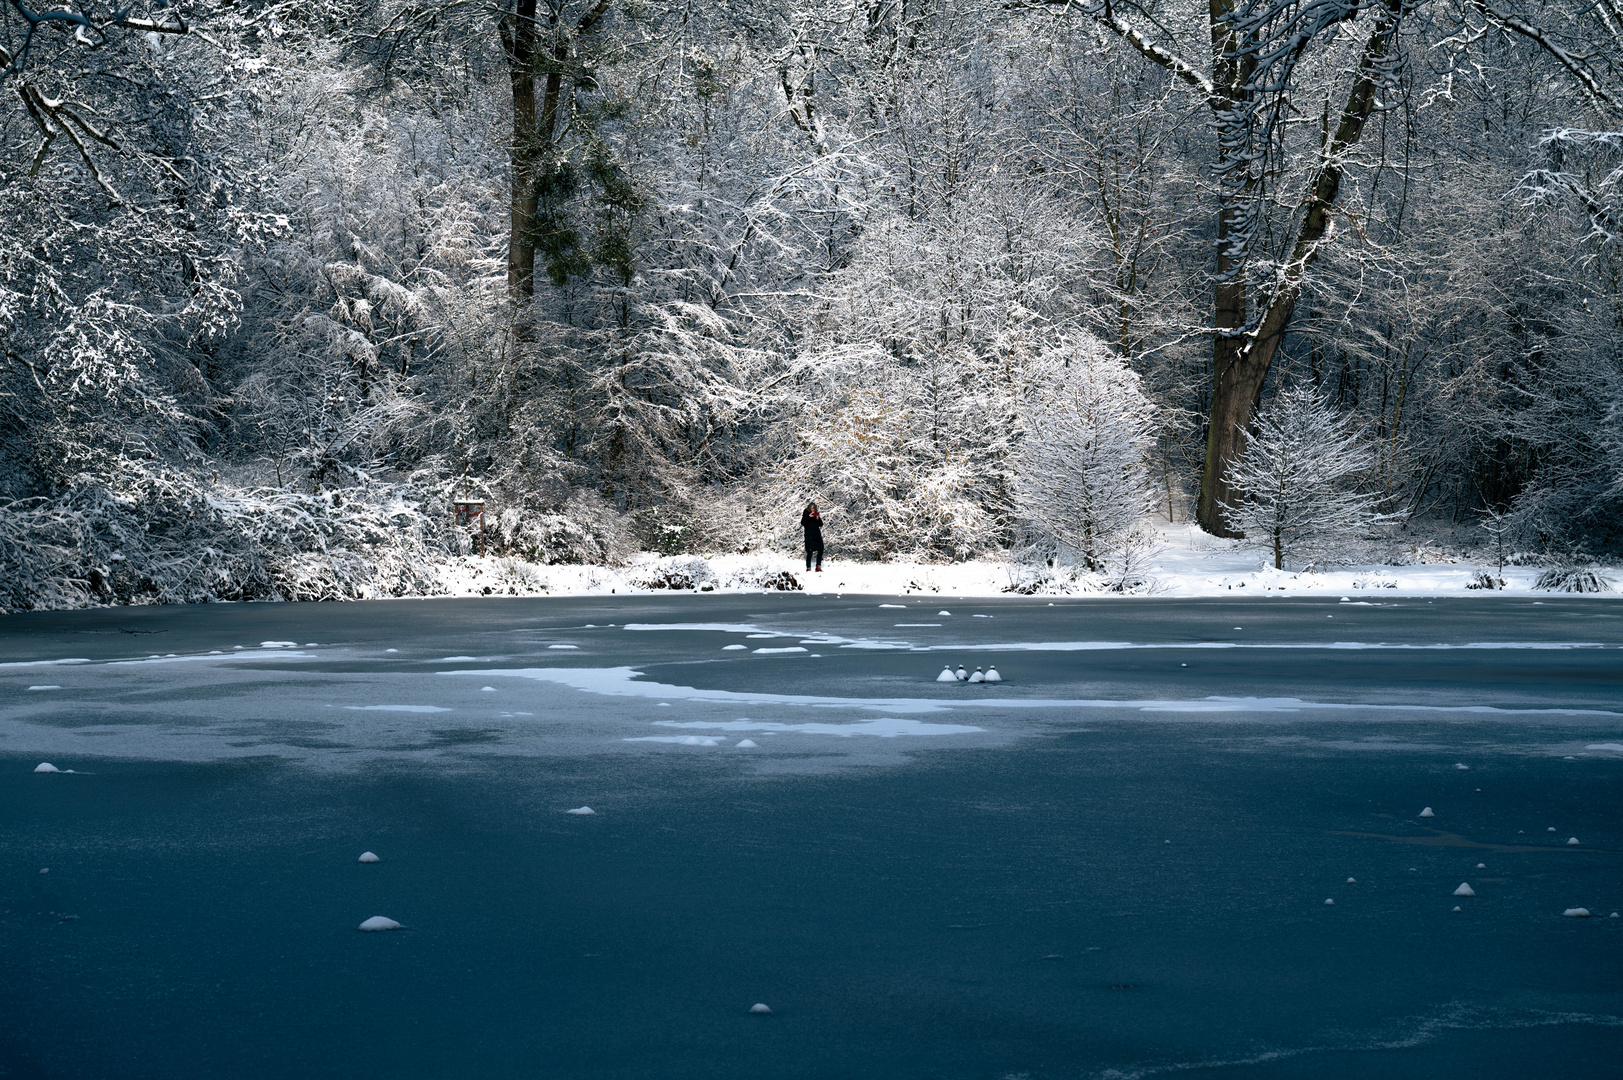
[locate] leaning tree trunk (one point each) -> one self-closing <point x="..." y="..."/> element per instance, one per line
<point x="1242" y="351"/>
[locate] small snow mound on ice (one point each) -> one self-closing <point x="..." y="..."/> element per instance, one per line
<point x="379" y="922"/>
<point x="563" y="646"/>
<point x="1346" y="599"/>
<point x="981" y="616"/>
<point x="44" y="688"/>
<point x="1352" y="881"/>
<point x="1572" y="841"/>
<point x="893" y="605"/>
<point x="1329" y="903"/>
<point x="943" y="613"/>
<point x="1464" y="890"/>
<point x="367" y="856"/>
<point x="46" y="766"/>
<point x="1457" y="765"/>
<point x="992" y="675"/>
<point x="759" y="1009"/>
<point x="1550" y="829"/>
<point x="1481" y="866"/>
<point x="487" y="689"/>
<point x="1458" y="908"/>
<point x="1427" y="812"/>
<point x="730" y="648"/>
<point x="278" y="644"/>
<point x="747" y="744"/>
<point x="391" y="650"/>
<point x="581" y="810"/>
<point x="1614" y="915"/>
<point x="1576" y="913"/>
<point x="963" y="676"/>
<point x="45" y="870"/>
<point x="946" y="675"/>
<point x="664" y="705"/>
<point x="777" y="652"/>
<point x="979" y="676"/>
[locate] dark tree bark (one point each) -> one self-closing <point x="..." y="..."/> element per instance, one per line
<point x="534" y="48"/>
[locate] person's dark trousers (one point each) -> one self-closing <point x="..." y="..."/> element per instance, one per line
<point x="818" y="553"/>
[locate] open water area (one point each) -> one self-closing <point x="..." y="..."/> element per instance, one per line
<point x="1114" y="863"/>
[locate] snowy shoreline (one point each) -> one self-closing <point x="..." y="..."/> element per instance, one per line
<point x="1183" y="563"/>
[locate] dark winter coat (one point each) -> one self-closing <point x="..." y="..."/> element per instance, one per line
<point x="813" y="525"/>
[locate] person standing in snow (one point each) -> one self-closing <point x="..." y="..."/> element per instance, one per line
<point x="812" y="522"/>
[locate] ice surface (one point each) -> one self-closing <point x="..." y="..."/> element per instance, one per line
<point x="43" y="663"/>
<point x="1427" y="812"/>
<point x="581" y="810"/>
<point x="396" y="708"/>
<point x="1576" y="913"/>
<point x="759" y="1009"/>
<point x="44" y="688"/>
<point x="675" y="740"/>
<point x="367" y="856"/>
<point x="1464" y="890"/>
<point x="883" y="727"/>
<point x="626" y="681"/>
<point x="1616" y="747"/>
<point x="900" y="624"/>
<point x="379" y="922"/>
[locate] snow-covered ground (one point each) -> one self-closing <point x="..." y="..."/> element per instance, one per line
<point x="1184" y="561"/>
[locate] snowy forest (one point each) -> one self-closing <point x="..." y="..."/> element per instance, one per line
<point x="984" y="278"/>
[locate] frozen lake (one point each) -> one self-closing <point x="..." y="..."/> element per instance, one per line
<point x="1114" y="863"/>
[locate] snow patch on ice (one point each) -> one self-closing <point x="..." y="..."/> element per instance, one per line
<point x="44" y="688"/>
<point x="785" y="649"/>
<point x="379" y="922"/>
<point x="581" y="811"/>
<point x="396" y="708"/>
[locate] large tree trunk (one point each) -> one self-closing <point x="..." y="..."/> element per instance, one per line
<point x="535" y="126"/>
<point x="517" y="29"/>
<point x="1242" y="350"/>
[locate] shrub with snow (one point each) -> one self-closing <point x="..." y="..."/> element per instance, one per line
<point x="763" y="576"/>
<point x="1573" y="579"/>
<point x="674" y="572"/>
<point x="1299" y="478"/>
<point x="1082" y="475"/>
